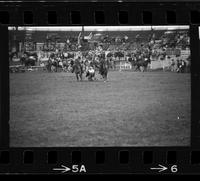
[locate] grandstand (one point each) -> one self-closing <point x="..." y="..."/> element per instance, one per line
<point x="112" y="38"/>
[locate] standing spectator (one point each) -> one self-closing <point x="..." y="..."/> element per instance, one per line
<point x="172" y="65"/>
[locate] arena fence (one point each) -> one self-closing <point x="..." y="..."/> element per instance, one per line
<point x="124" y="66"/>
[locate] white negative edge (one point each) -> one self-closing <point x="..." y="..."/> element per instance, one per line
<point x="98" y="28"/>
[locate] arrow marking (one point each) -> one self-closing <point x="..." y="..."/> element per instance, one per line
<point x="160" y="168"/>
<point x="63" y="169"/>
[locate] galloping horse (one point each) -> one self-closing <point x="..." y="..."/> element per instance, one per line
<point x="77" y="69"/>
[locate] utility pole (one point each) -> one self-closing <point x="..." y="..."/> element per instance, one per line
<point x="82" y="41"/>
<point x="82" y="33"/>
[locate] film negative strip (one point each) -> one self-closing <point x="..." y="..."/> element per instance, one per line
<point x="100" y="87"/>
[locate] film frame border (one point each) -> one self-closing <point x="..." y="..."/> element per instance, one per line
<point x="136" y="13"/>
<point x="36" y="160"/>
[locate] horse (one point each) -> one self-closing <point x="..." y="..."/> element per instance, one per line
<point x="29" y="60"/>
<point x="103" y="69"/>
<point x="142" y="64"/>
<point x="78" y="70"/>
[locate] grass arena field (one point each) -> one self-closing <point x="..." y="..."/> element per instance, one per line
<point x="131" y="109"/>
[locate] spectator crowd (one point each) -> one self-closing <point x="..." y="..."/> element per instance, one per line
<point x="149" y="46"/>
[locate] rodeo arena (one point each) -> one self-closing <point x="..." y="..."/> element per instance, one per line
<point x="99" y="86"/>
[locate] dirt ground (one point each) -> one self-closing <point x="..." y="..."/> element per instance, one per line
<point x="131" y="109"/>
